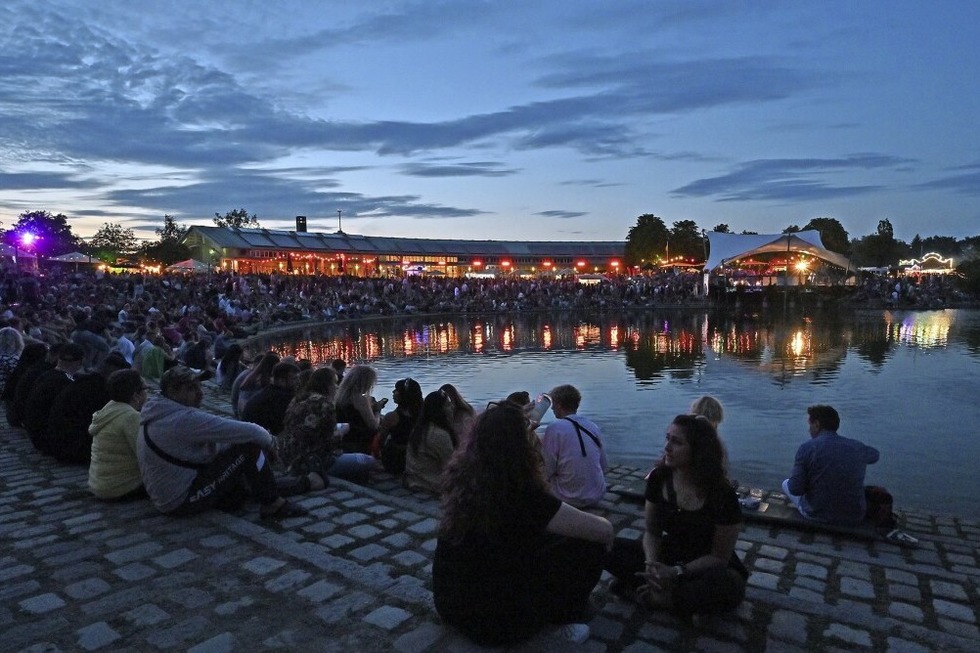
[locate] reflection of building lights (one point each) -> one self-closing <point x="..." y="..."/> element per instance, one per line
<point x="797" y="344"/>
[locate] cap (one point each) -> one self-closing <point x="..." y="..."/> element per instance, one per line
<point x="181" y="375"/>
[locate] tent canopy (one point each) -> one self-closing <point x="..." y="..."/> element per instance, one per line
<point x="728" y="248"/>
<point x="190" y="265"/>
<point x="8" y="250"/>
<point x="74" y="257"/>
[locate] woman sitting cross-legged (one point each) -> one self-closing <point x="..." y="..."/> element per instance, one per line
<point x="686" y="561"/>
<point x="511" y="558"/>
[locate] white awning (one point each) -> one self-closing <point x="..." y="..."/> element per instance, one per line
<point x="728" y="248"/>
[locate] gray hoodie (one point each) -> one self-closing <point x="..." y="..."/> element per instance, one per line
<point x="191" y="435"/>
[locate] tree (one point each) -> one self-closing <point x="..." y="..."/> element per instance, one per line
<point x="646" y="240"/>
<point x="686" y="240"/>
<point x="236" y="218"/>
<point x="885" y="228"/>
<point x="722" y="228"/>
<point x="170" y="248"/>
<point x="792" y="229"/>
<point x="52" y="234"/>
<point x="832" y="233"/>
<point x="171" y="231"/>
<point x="879" y="249"/>
<point x="113" y="241"/>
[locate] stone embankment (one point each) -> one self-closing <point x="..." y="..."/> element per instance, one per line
<point x="355" y="575"/>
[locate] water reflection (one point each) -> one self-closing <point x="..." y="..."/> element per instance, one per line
<point x="676" y="345"/>
<point x="637" y="370"/>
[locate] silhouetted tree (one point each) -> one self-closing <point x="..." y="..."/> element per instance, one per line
<point x="112" y="241"/>
<point x="832" y="233"/>
<point x="646" y="240"/>
<point x="52" y="233"/>
<point x="236" y="218"/>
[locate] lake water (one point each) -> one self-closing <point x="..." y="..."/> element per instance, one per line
<point x="904" y="382"/>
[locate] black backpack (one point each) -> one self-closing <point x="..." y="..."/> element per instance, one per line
<point x="880" y="511"/>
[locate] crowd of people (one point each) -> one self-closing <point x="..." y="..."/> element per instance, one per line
<point x="518" y="549"/>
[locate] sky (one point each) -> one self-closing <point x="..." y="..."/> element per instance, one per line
<point x="523" y="120"/>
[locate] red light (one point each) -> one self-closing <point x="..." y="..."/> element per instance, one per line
<point x="477" y="264"/>
<point x="546" y="264"/>
<point x="615" y="264"/>
<point x="580" y="264"/>
<point x="505" y="264"/>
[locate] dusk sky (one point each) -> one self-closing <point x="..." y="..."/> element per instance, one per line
<point x="524" y="120"/>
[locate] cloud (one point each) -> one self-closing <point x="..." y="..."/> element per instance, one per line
<point x="266" y="193"/>
<point x="788" y="179"/>
<point x="42" y="180"/>
<point x="561" y="214"/>
<point x="967" y="183"/>
<point x="469" y="169"/>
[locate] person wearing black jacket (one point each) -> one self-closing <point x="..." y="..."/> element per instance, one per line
<point x="67" y="437"/>
<point x="268" y="407"/>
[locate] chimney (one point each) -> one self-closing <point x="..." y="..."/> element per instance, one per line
<point x="300" y="224"/>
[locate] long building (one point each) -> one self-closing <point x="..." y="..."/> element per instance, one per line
<point x="250" y="251"/>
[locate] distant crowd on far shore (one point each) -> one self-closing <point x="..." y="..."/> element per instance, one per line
<point x="60" y="306"/>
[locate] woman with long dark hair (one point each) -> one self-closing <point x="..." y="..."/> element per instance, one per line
<point x="430" y="444"/>
<point x="230" y="366"/>
<point x="396" y="426"/>
<point x="686" y="561"/>
<point x="511" y="558"/>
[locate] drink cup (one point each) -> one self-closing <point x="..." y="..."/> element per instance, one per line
<point x="541" y="406"/>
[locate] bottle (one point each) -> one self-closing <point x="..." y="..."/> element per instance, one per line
<point x="541" y="406"/>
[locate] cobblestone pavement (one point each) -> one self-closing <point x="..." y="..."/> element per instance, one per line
<point x="355" y="575"/>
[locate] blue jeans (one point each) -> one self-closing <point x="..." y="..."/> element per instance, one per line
<point x="352" y="466"/>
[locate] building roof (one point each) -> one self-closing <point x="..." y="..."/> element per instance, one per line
<point x="342" y="242"/>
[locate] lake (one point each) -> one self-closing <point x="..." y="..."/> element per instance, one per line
<point x="904" y="382"/>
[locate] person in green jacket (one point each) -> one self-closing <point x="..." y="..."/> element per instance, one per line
<point x="114" y="472"/>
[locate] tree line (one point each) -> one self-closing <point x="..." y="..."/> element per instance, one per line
<point x="40" y="232"/>
<point x="650" y="243"/>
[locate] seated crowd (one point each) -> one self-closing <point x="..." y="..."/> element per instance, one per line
<point x="518" y="549"/>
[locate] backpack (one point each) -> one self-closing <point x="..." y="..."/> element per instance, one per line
<point x="880" y="507"/>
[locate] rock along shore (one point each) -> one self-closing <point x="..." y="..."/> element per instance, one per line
<point x="355" y="575"/>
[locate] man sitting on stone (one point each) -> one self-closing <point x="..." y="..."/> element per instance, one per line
<point x="268" y="407"/>
<point x="827" y="483"/>
<point x="574" y="458"/>
<point x="192" y="460"/>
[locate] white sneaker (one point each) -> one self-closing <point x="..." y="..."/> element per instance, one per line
<point x="576" y="633"/>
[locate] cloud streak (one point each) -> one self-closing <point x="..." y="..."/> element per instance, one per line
<point x="789" y="179"/>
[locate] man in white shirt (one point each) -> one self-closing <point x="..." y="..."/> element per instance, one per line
<point x="574" y="458"/>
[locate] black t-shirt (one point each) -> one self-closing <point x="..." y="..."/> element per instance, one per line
<point x="688" y="534"/>
<point x="488" y="577"/>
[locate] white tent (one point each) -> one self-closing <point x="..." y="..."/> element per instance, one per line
<point x="8" y="250"/>
<point x="190" y="265"/>
<point x="728" y="248"/>
<point x="74" y="257"/>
